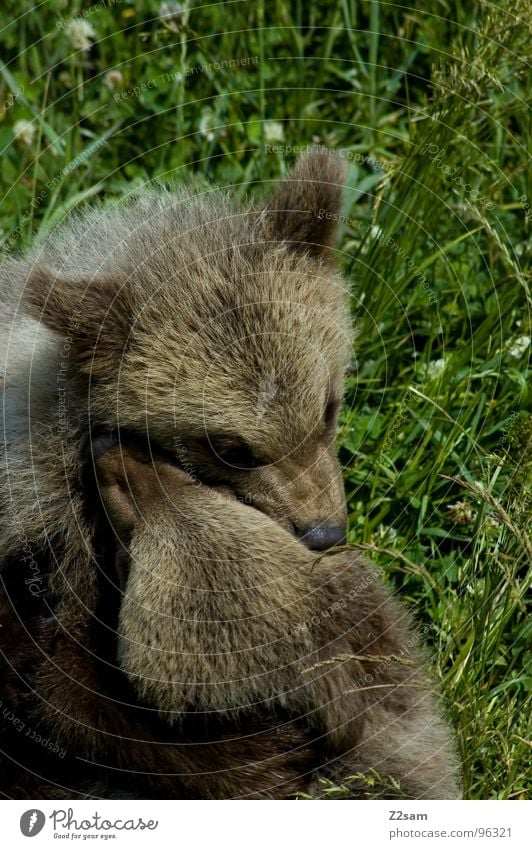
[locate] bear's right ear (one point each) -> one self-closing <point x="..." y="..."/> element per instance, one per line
<point x="133" y="482"/>
<point x="304" y="207"/>
<point x="122" y="476"/>
<point x="94" y="315"/>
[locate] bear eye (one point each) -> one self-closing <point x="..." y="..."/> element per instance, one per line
<point x="236" y="454"/>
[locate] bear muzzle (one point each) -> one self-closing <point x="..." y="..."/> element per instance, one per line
<point x="322" y="536"/>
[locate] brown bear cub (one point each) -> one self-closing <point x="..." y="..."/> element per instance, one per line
<point x="220" y="333"/>
<point x="218" y="330"/>
<point x="253" y="666"/>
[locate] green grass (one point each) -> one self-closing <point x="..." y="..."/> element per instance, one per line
<point x="433" y="111"/>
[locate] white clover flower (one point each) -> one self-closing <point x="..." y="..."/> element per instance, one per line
<point x="65" y="79"/>
<point x="80" y="34"/>
<point x="434" y="368"/>
<point x="113" y="79"/>
<point x="24" y="131"/>
<point x="170" y="14"/>
<point x="273" y="131"/>
<point x="385" y="534"/>
<point x="519" y="346"/>
<point x="206" y="124"/>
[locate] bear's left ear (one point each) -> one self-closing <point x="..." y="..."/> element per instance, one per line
<point x="304" y="208"/>
<point x="94" y="316"/>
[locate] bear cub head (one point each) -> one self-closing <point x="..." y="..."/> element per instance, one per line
<point x="219" y="331"/>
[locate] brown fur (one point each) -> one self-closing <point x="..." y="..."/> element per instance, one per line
<point x="213" y="624"/>
<point x="193" y="321"/>
<point x="211" y="329"/>
<point x="227" y="623"/>
<point x="56" y="682"/>
<point x="254" y="666"/>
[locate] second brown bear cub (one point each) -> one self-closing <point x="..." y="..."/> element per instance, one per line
<point x="226" y="615"/>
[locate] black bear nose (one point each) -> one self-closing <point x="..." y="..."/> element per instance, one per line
<point x="321" y="537"/>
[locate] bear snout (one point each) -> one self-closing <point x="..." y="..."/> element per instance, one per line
<point x="321" y="536"/>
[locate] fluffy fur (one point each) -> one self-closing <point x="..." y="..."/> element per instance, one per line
<point x="221" y="332"/>
<point x="254" y="667"/>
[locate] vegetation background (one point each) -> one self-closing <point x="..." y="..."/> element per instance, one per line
<point x="431" y="108"/>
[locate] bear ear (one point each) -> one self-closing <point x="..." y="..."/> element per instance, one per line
<point x="121" y="476"/>
<point x="132" y="480"/>
<point x="304" y="208"/>
<point x="94" y="314"/>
